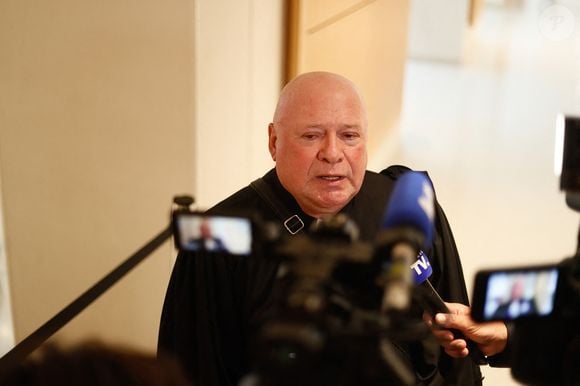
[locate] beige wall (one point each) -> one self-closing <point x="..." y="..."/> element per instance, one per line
<point x="96" y="136"/>
<point x="240" y="49"/>
<point x="99" y="107"/>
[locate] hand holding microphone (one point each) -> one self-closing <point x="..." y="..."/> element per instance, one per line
<point x="490" y="337"/>
<point x="454" y="339"/>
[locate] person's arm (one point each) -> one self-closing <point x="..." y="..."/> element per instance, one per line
<point x="491" y="337"/>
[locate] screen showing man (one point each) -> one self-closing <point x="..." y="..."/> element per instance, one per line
<point x="511" y="295"/>
<point x="219" y="234"/>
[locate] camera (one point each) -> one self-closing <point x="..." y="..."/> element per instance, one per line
<point x="328" y="325"/>
<point x="541" y="304"/>
<point x="197" y="232"/>
<point x="327" y="309"/>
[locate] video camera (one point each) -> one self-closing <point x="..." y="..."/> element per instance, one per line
<point x="328" y="311"/>
<point x="330" y="325"/>
<point x="542" y="303"/>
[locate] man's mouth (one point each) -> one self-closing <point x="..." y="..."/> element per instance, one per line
<point x="331" y="178"/>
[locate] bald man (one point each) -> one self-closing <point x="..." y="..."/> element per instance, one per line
<point x="214" y="304"/>
<point x="318" y="141"/>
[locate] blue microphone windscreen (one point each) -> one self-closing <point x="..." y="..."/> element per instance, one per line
<point x="412" y="205"/>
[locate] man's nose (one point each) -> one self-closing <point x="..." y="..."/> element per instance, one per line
<point x="331" y="150"/>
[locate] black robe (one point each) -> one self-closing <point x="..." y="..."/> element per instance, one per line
<point x="213" y="303"/>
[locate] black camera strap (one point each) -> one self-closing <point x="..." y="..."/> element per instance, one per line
<point x="292" y="222"/>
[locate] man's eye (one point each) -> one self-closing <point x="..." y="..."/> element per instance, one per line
<point x="350" y="136"/>
<point x="310" y="136"/>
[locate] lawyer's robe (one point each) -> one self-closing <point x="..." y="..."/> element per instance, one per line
<point x="213" y="303"/>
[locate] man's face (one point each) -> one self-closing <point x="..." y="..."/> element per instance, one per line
<point x="517" y="289"/>
<point x="319" y="145"/>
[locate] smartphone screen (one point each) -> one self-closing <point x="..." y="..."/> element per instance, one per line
<point x="197" y="232"/>
<point x="515" y="293"/>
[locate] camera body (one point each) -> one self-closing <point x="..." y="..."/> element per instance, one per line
<point x="329" y="325"/>
<point x="543" y="305"/>
<point x="326" y="304"/>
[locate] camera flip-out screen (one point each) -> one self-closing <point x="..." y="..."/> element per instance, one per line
<point x="197" y="232"/>
<point x="515" y="293"/>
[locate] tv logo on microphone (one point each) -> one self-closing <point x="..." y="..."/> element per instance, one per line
<point x="421" y="268"/>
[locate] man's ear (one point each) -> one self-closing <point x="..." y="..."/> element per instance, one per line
<point x="272" y="141"/>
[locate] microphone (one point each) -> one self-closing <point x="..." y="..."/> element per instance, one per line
<point x="421" y="270"/>
<point x="407" y="226"/>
